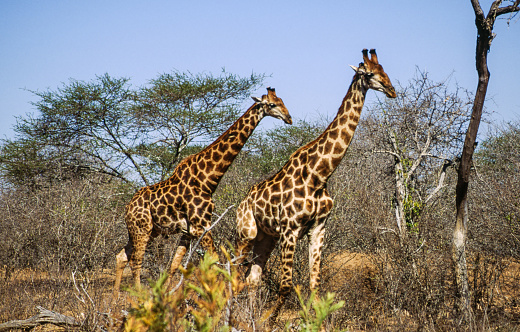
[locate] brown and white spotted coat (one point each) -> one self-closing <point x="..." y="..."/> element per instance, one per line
<point x="183" y="202"/>
<point x="295" y="201"/>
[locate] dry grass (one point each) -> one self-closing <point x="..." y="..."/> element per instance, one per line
<point x="354" y="277"/>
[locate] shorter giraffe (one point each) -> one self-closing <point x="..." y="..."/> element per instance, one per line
<point x="183" y="203"/>
<point x="295" y="202"/>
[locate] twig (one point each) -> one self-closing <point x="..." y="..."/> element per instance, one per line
<point x="194" y="247"/>
<point x="387" y="230"/>
<point x="442" y="176"/>
<point x="83" y="290"/>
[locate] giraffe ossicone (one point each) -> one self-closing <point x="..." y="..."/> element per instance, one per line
<point x="295" y="202"/>
<point x="183" y="203"/>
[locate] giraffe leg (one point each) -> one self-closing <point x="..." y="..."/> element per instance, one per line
<point x="121" y="262"/>
<point x="288" y="247"/>
<point x="199" y="220"/>
<point x="177" y="258"/>
<point x="263" y="245"/>
<point x="316" y="235"/>
<point x="246" y="231"/>
<point x="315" y="245"/>
<point x="136" y="257"/>
<point x="262" y="248"/>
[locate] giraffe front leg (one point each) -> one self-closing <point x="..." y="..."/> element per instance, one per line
<point x="316" y="236"/>
<point x="246" y="232"/>
<point x="177" y="259"/>
<point x="315" y="245"/>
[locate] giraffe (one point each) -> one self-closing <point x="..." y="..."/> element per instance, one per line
<point x="295" y="202"/>
<point x="183" y="203"/>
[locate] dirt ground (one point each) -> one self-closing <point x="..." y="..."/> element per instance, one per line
<point x="23" y="290"/>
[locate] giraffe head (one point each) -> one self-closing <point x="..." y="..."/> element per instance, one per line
<point x="273" y="106"/>
<point x="375" y="76"/>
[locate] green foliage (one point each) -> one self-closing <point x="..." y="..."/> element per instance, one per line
<point x="24" y="162"/>
<point x="134" y="134"/>
<point x="152" y="312"/>
<point x="312" y="320"/>
<point x="212" y="292"/>
<point x="210" y="288"/>
<point x="271" y="149"/>
<point x="412" y="211"/>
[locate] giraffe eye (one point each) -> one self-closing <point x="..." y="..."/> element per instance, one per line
<point x="272" y="105"/>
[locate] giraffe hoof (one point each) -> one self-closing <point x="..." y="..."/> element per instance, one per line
<point x="255" y="276"/>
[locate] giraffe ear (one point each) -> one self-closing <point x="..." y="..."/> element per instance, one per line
<point x="256" y="99"/>
<point x="354" y="68"/>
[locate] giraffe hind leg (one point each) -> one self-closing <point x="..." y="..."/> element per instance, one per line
<point x="132" y="255"/>
<point x="287" y="247"/>
<point x="262" y="248"/>
<point x="136" y="256"/>
<point x="263" y="245"/>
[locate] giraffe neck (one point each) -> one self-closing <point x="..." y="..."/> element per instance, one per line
<point x="219" y="155"/>
<point x="330" y="147"/>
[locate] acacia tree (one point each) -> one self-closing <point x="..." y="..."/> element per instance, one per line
<point x="77" y="127"/>
<point x="107" y="126"/>
<point x="179" y="109"/>
<point x="485" y="36"/>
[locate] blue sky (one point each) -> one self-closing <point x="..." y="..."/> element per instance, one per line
<point x="306" y="47"/>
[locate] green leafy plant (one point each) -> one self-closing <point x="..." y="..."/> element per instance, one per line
<point x="312" y="320"/>
<point x="210" y="288"/>
<point x="155" y="309"/>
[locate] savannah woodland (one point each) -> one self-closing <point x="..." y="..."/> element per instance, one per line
<point x="423" y="234"/>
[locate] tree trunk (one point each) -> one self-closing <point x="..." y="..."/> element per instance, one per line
<point x="484" y="39"/>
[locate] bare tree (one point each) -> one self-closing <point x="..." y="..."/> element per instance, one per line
<point x="485" y="36"/>
<point x="420" y="130"/>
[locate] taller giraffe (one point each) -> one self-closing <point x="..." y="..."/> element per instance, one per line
<point x="295" y="201"/>
<point x="183" y="203"/>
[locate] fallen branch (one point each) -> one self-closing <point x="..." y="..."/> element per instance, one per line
<point x="43" y="317"/>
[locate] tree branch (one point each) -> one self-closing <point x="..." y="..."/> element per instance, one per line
<point x="442" y="176"/>
<point x="509" y="9"/>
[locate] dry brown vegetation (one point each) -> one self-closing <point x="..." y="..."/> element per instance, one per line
<point x="63" y="238"/>
<point x="59" y="238"/>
